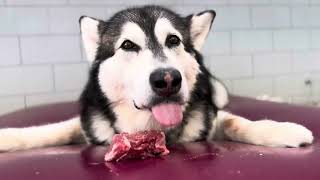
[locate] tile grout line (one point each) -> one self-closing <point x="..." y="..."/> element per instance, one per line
<point x="53" y="78"/>
<point x="25" y="101"/>
<point x="20" y="51"/>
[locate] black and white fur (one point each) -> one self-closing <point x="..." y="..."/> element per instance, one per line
<point x="118" y="96"/>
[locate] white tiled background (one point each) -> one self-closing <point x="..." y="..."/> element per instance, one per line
<point x="257" y="46"/>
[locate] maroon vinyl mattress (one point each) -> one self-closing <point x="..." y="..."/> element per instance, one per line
<point x="200" y="160"/>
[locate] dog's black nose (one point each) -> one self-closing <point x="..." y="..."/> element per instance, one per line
<point x="165" y="82"/>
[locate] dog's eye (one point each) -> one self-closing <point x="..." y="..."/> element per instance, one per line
<point x="129" y="46"/>
<point x="172" y="40"/>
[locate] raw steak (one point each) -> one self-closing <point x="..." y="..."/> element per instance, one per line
<point x="140" y="145"/>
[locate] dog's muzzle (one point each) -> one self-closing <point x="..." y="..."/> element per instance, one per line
<point x="166" y="84"/>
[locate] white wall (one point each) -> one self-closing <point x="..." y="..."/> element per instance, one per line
<point x="257" y="47"/>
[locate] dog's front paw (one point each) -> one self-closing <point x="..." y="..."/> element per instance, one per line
<point x="9" y="141"/>
<point x="279" y="134"/>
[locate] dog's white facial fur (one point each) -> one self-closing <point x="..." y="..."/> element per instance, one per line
<point x="124" y="77"/>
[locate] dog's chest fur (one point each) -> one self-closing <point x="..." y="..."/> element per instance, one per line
<point x="195" y="125"/>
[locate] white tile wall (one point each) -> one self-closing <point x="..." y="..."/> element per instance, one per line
<point x="166" y="3"/>
<point x="50" y="49"/>
<point x="306" y="16"/>
<point x="190" y="9"/>
<point x="218" y="43"/>
<point x="38" y="99"/>
<point x="123" y="2"/>
<point x="290" y="1"/>
<point x="304" y="99"/>
<point x="314" y="2"/>
<point x="246" y="41"/>
<point x="237" y="66"/>
<point x="272" y="64"/>
<point x="23" y="20"/>
<point x="315" y="39"/>
<point x="206" y="2"/>
<point x="136" y="2"/>
<point x="270" y="17"/>
<point x="9" y="54"/>
<point x="249" y="1"/>
<point x="232" y="17"/>
<point x="93" y="2"/>
<point x="9" y="104"/>
<point x="66" y="19"/>
<point x="291" y="85"/>
<point x="36" y="2"/>
<point x="253" y="87"/>
<point x="256" y="46"/>
<point x="285" y="40"/>
<point x="316" y="80"/>
<point x="306" y="62"/>
<point x="70" y="76"/>
<point x="25" y="80"/>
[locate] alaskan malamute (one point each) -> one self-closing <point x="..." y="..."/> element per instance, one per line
<point x="147" y="73"/>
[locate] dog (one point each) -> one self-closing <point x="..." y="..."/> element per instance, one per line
<point x="147" y="72"/>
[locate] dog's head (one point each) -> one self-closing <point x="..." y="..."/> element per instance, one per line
<point x="146" y="57"/>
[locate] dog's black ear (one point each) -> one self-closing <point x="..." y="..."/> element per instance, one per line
<point x="200" y="25"/>
<point x="90" y="35"/>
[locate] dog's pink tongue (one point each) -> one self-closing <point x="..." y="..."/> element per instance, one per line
<point x="167" y="114"/>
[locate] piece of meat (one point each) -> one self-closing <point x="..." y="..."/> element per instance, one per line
<point x="140" y="145"/>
